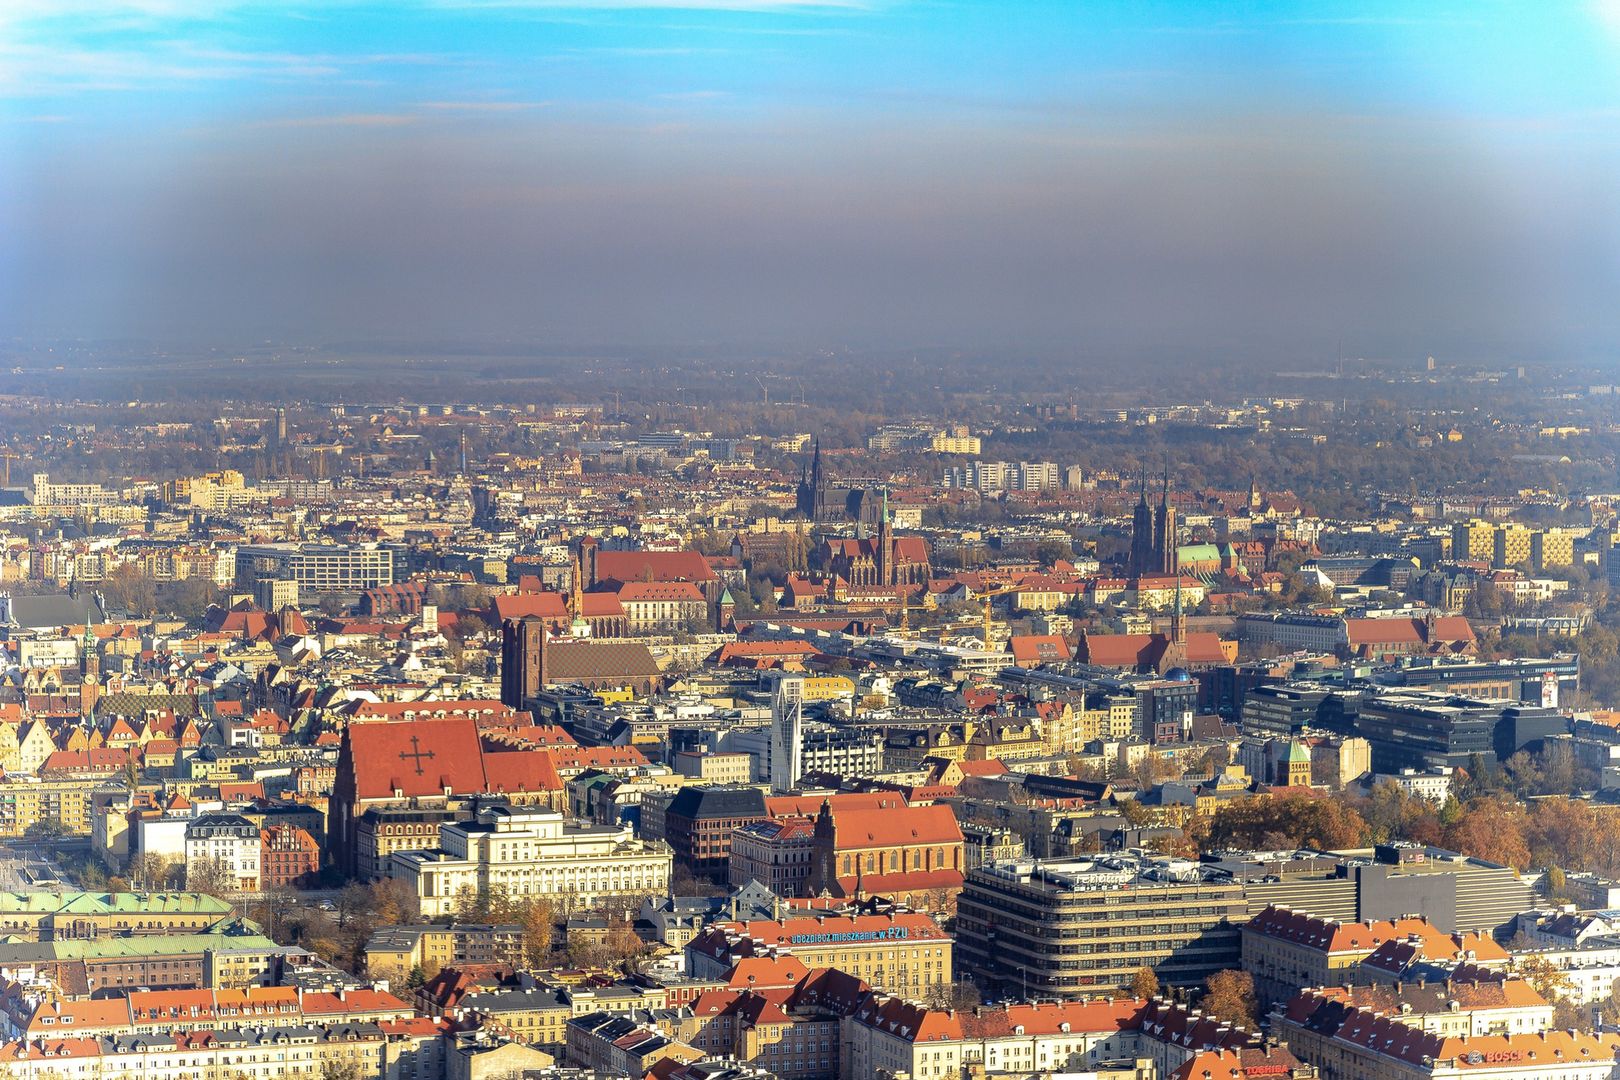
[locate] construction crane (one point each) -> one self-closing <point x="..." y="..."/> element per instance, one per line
<point x="9" y="458"/>
<point x="986" y="597"/>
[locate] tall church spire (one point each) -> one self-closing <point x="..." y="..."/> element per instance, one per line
<point x="1178" y="628"/>
<point x="1143" y="546"/>
<point x="1166" y="556"/>
<point x="809" y="494"/>
<point x="578" y="626"/>
<point x="885" y="546"/>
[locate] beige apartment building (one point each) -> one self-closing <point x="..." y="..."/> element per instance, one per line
<point x="1285" y="950"/>
<point x="413" y="1049"/>
<point x="25" y="801"/>
<point x="392" y="951"/>
<point x="1473" y="1005"/>
<point x="1096" y="1037"/>
<point x="899" y="954"/>
<point x="1362" y="1044"/>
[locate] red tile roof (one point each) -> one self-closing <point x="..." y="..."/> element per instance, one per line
<point x="1143" y="650"/>
<point x="424" y="757"/>
<point x="627" y="566"/>
<point x="542" y="605"/>
<point x="1388" y="1037"/>
<point x="652" y="591"/>
<point x="1040" y="649"/>
<point x="810" y="805"/>
<point x="904" y="826"/>
<point x="1331" y="936"/>
<point x="1244" y="1063"/>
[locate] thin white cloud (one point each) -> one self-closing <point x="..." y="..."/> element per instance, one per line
<point x="166" y="10"/>
<point x="345" y="120"/>
<point x="667" y="5"/>
<point x="1376" y="20"/>
<point x="107" y="14"/>
<point x="31" y="68"/>
<point x="642" y="51"/>
<point x="41" y="9"/>
<point x="482" y="106"/>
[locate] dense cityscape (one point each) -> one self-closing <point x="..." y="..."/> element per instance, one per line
<point x="809" y="540"/>
<point x="719" y="737"/>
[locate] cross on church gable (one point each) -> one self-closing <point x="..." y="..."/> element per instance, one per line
<point x="417" y="753"/>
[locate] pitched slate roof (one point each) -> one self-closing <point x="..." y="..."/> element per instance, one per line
<point x="570" y="661"/>
<point x="717" y="802"/>
<point x="50" y="610"/>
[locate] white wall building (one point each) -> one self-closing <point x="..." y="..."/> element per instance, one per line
<point x="787" y="733"/>
<point x="523" y="851"/>
<point x="230" y="841"/>
<point x="1431" y="784"/>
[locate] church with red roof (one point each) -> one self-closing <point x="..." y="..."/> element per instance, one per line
<point x="440" y="762"/>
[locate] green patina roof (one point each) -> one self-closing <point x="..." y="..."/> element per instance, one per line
<point x="23" y="952"/>
<point x="1198" y="553"/>
<point x="104" y="903"/>
<point x="1298" y="754"/>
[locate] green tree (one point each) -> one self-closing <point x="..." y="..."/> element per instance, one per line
<point x="1557" y="884"/>
<point x="1049" y="552"/>
<point x="46" y="830"/>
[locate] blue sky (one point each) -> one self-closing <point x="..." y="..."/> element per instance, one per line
<point x="1423" y="175"/>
